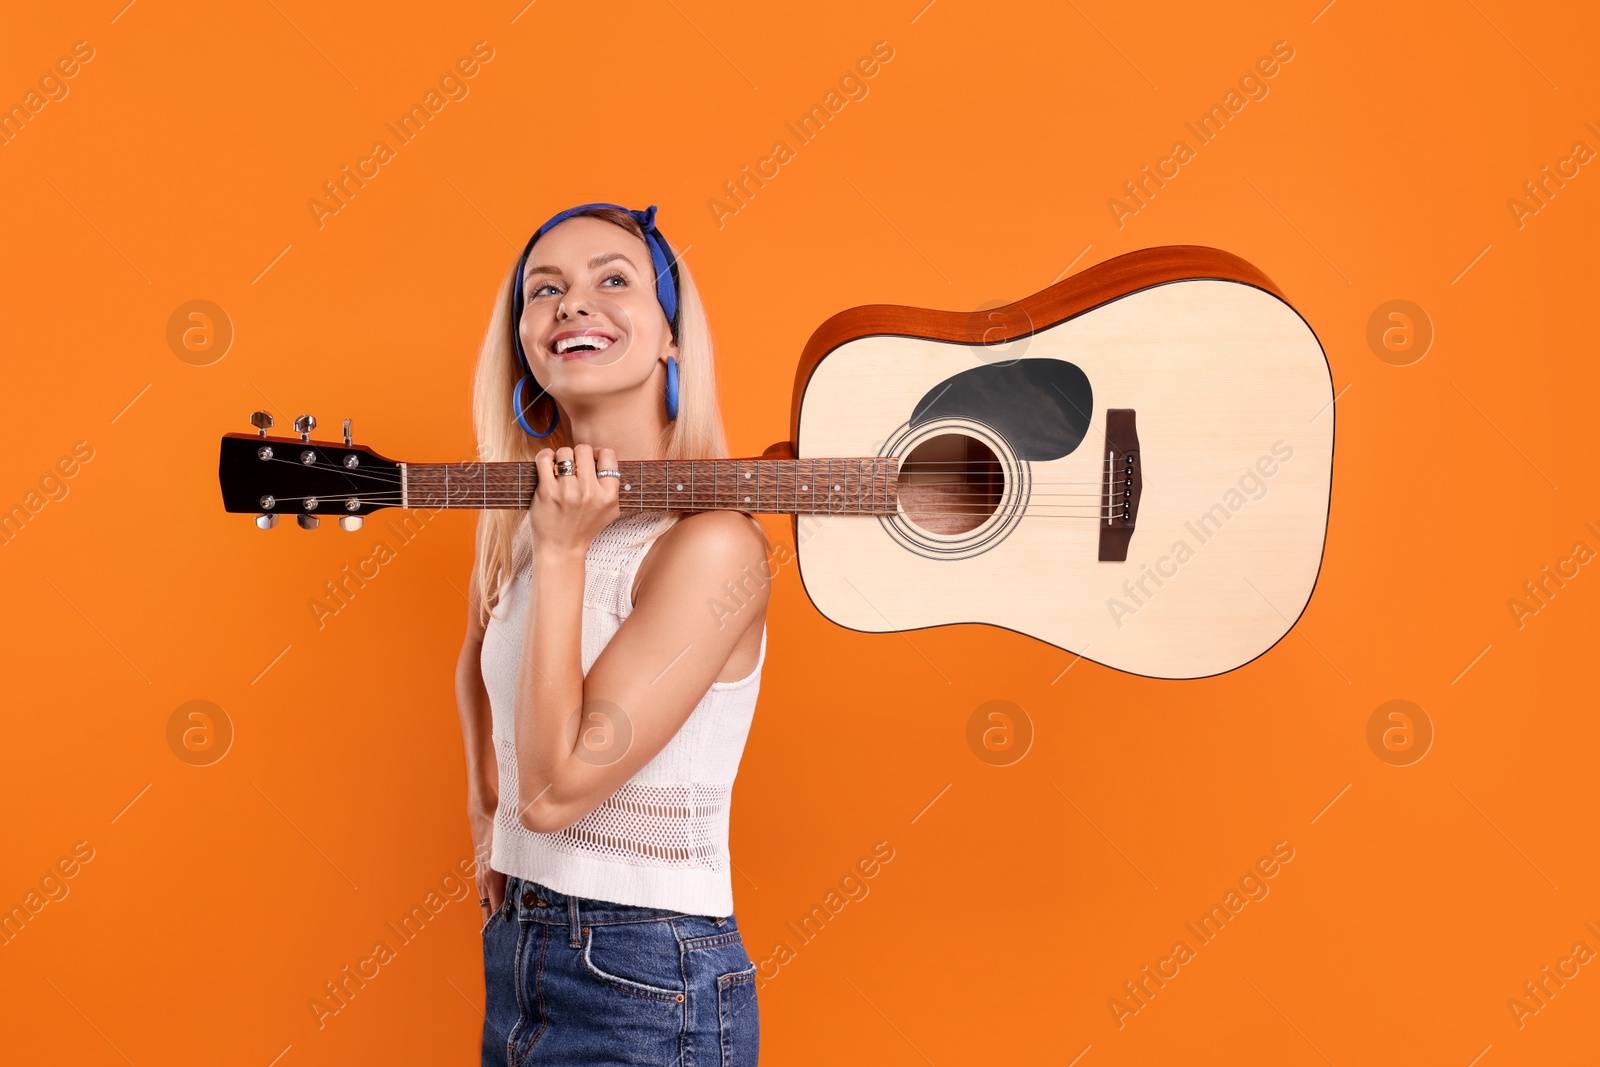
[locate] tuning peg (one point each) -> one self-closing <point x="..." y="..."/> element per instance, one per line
<point x="308" y="522"/>
<point x="349" y="523"/>
<point x="262" y="421"/>
<point x="304" y="425"/>
<point x="266" y="522"/>
<point x="347" y="433"/>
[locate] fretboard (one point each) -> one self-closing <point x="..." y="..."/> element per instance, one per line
<point x="768" y="486"/>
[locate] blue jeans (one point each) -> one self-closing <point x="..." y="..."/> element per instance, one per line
<point x="576" y="981"/>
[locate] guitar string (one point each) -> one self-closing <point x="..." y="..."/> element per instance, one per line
<point x="943" y="490"/>
<point x="766" y="485"/>
<point x="645" y="503"/>
<point x="507" y="469"/>
<point x="945" y="493"/>
<point x="394" y="478"/>
<point x="633" y="495"/>
<point x="938" y="491"/>
<point x="1033" y="511"/>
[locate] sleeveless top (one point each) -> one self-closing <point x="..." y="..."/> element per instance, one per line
<point x="661" y="840"/>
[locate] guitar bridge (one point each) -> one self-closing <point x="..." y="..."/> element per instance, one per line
<point x="1121" y="485"/>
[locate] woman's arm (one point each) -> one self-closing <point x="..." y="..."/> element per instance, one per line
<point x="579" y="739"/>
<point x="477" y="737"/>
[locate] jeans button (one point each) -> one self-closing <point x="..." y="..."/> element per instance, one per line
<point x="528" y="898"/>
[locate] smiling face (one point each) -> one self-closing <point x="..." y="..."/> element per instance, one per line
<point x="612" y="332"/>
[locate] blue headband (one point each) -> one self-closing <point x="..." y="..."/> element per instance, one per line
<point x="661" y="257"/>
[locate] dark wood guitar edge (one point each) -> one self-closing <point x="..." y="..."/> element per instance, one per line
<point x="1066" y="299"/>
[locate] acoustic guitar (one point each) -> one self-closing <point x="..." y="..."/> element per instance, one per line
<point x="1133" y="465"/>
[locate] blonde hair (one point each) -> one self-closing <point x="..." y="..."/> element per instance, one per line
<point x="697" y="432"/>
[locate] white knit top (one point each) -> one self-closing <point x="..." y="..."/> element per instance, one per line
<point x="661" y="840"/>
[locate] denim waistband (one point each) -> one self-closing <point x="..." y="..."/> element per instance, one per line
<point x="536" y="902"/>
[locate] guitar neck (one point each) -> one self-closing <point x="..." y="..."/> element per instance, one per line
<point x="864" y="486"/>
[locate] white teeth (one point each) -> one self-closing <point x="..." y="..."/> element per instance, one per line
<point x="598" y="343"/>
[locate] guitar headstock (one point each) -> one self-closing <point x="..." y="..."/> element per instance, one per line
<point x="273" y="476"/>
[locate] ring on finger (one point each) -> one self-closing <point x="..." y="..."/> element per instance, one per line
<point x="565" y="468"/>
<point x="608" y="474"/>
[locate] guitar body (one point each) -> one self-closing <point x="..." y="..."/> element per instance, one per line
<point x="1213" y="391"/>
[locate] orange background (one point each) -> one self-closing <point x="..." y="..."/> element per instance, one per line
<point x="220" y="898"/>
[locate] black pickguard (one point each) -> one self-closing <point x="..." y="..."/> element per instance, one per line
<point x="1041" y="406"/>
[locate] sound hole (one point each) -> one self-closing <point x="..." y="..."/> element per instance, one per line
<point x="950" y="484"/>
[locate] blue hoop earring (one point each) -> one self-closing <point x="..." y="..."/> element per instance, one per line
<point x="517" y="409"/>
<point x="672" y="389"/>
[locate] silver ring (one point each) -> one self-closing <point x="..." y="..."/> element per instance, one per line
<point x="608" y="474"/>
<point x="565" y="468"/>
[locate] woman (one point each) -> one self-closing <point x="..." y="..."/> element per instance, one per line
<point x="605" y="698"/>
